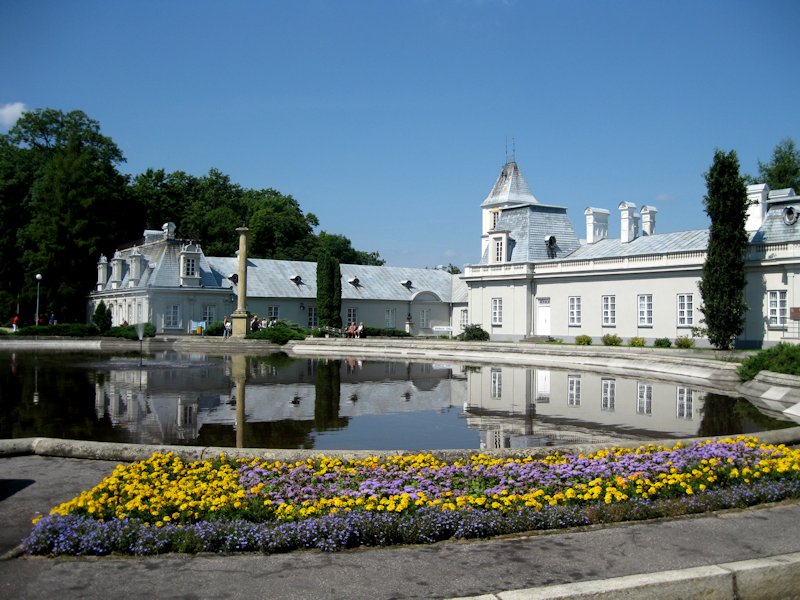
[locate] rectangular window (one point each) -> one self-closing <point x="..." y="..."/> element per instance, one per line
<point x="313" y="322"/>
<point x="497" y="311"/>
<point x="272" y="312"/>
<point x="777" y="308"/>
<point x="172" y="317"/>
<point x="498" y="251"/>
<point x="189" y="266"/>
<point x="645" y="310"/>
<point x="644" y="400"/>
<point x="464" y="320"/>
<point x="684" y="409"/>
<point x="390" y="318"/>
<point x="609" y="311"/>
<point x="573" y="390"/>
<point x="209" y="313"/>
<point x="495" y="218"/>
<point x="497" y="383"/>
<point x="352" y="316"/>
<point x="685" y="310"/>
<point x="609" y="395"/>
<point x="425" y="318"/>
<point x="574" y="311"/>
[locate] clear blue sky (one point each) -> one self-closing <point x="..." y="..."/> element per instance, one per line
<point x="389" y="120"/>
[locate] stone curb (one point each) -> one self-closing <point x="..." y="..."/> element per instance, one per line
<point x="133" y="452"/>
<point x="772" y="577"/>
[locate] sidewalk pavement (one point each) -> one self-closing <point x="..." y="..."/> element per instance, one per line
<point x="752" y="553"/>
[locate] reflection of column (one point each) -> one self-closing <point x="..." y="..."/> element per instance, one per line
<point x="239" y="373"/>
<point x="239" y="318"/>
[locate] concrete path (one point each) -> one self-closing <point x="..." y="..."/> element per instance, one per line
<point x="680" y="558"/>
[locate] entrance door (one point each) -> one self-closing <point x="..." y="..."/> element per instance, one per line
<point x="543" y="316"/>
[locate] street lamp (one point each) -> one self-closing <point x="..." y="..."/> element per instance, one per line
<point x="38" y="281"/>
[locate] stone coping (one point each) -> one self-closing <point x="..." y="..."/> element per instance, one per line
<point x="126" y="452"/>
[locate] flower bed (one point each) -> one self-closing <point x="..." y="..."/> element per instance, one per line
<point x="166" y="505"/>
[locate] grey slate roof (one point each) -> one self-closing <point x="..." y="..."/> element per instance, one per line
<point x="662" y="243"/>
<point x="510" y="188"/>
<point x="776" y="229"/>
<point x="273" y="279"/>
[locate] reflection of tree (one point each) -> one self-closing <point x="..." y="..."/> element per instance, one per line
<point x="720" y="416"/>
<point x="327" y="396"/>
<point x="271" y="434"/>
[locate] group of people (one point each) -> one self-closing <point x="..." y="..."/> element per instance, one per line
<point x="354" y="331"/>
<point x="257" y="323"/>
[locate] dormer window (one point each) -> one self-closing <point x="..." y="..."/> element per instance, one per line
<point x="406" y="283"/>
<point x="189" y="267"/>
<point x="354" y="281"/>
<point x="498" y="250"/>
<point x="296" y="279"/>
<point x="495" y="218"/>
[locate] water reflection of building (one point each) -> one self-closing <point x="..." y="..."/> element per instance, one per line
<point x="516" y="407"/>
<point x="168" y="402"/>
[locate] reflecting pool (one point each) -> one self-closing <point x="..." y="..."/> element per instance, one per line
<point x="278" y="402"/>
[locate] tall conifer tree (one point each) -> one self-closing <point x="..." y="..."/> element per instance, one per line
<point x="723" y="280"/>
<point x="329" y="292"/>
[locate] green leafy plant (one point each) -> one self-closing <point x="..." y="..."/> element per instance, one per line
<point x="280" y="333"/>
<point x="684" y="341"/>
<point x="583" y="340"/>
<point x="130" y="332"/>
<point x="78" y="330"/>
<point x="473" y="333"/>
<point x="662" y="343"/>
<point x="611" y="339"/>
<point x="637" y="342"/>
<point x="102" y="317"/>
<point x="783" y="358"/>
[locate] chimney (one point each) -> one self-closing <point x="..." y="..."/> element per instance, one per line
<point x="757" y="205"/>
<point x="116" y="270"/>
<point x="629" y="222"/>
<point x="596" y="224"/>
<point x="169" y="230"/>
<point x="649" y="220"/>
<point x="102" y="273"/>
<point x="135" y="268"/>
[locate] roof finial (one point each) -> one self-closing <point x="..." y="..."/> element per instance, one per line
<point x="510" y="158"/>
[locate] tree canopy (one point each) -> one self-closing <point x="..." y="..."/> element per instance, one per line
<point x="723" y="279"/>
<point x="783" y="170"/>
<point x="63" y="202"/>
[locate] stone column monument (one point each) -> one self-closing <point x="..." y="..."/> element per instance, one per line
<point x="240" y="319"/>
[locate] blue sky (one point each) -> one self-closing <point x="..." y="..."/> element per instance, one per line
<point x="390" y="120"/>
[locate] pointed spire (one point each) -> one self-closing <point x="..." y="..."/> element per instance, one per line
<point x="510" y="189"/>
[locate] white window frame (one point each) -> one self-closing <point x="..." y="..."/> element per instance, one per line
<point x="424" y="318"/>
<point x="685" y="305"/>
<point x="313" y="320"/>
<point x="390" y="318"/>
<point x="209" y="313"/>
<point x="573" y="390"/>
<point x="464" y="319"/>
<point x="574" y="311"/>
<point x="645" y="309"/>
<point x="172" y="316"/>
<point x="273" y="311"/>
<point x="644" y="398"/>
<point x="497" y="312"/>
<point x="495" y="219"/>
<point x="609" y="304"/>
<point x="352" y="316"/>
<point x="189" y="266"/>
<point x="497" y="383"/>
<point x="499" y="255"/>
<point x="608" y="396"/>
<point x="777" y="308"/>
<point x="684" y="403"/>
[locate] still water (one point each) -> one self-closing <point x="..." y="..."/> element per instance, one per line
<point x="278" y="402"/>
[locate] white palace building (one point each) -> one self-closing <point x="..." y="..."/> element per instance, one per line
<point x="535" y="278"/>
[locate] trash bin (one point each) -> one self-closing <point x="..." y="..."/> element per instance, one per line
<point x="199" y="330"/>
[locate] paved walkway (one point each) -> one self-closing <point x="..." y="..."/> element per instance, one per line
<point x="681" y="558"/>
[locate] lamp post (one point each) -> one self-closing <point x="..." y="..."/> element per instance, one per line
<point x="38" y="281"/>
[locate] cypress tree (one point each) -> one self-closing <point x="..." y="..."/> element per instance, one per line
<point x="723" y="280"/>
<point x="329" y="291"/>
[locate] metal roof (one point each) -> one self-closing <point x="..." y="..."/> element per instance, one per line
<point x="510" y="188"/>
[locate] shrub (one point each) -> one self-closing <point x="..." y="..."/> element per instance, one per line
<point x="583" y="340"/>
<point x="473" y="333"/>
<point x="60" y="329"/>
<point x="214" y="328"/>
<point x="102" y="317"/>
<point x="612" y="339"/>
<point x="783" y="358"/>
<point x="130" y="332"/>
<point x="280" y="333"/>
<point x="662" y="343"/>
<point x="385" y="332"/>
<point x="684" y="341"/>
<point x="637" y="342"/>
